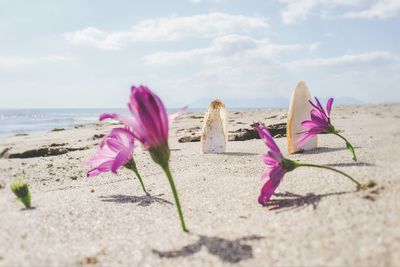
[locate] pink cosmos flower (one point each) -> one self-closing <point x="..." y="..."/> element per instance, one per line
<point x="150" y="123"/>
<point x="114" y="151"/>
<point x="320" y="123"/>
<point x="278" y="166"/>
<point x="149" y="119"/>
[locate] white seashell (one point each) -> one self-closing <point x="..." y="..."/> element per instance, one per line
<point x="214" y="134"/>
<point x="299" y="110"/>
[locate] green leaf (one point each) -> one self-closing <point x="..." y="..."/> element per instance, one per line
<point x="21" y="190"/>
<point x="351" y="149"/>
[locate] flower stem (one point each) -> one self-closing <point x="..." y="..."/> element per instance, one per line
<point x="132" y="166"/>
<point x="298" y="164"/>
<point x="140" y="180"/>
<point x="348" y="145"/>
<point x="175" y="193"/>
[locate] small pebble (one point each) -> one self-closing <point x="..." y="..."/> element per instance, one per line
<point x="88" y="261"/>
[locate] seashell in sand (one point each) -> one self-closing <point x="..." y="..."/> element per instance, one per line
<point x="299" y="110"/>
<point x="214" y="134"/>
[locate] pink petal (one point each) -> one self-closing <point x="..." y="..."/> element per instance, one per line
<point x="276" y="155"/>
<point x="104" y="167"/>
<point x="309" y="124"/>
<point x="320" y="106"/>
<point x="152" y="116"/>
<point x="120" y="160"/>
<point x="116" y="149"/>
<point x="175" y="115"/>
<point x="127" y="121"/>
<point x="114" y="145"/>
<point x="314" y="106"/>
<point x="321" y="121"/>
<point x="266" y="136"/>
<point x="304" y="139"/>
<point x="329" y="106"/>
<point x="93" y="172"/>
<point x="266" y="174"/>
<point x="270" y="186"/>
<point x="124" y="135"/>
<point x="270" y="160"/>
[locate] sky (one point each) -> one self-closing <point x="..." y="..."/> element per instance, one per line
<point x="87" y="53"/>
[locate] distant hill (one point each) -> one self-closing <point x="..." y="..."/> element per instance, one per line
<point x="276" y="102"/>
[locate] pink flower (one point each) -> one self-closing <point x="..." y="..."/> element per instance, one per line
<point x="277" y="165"/>
<point x="320" y="122"/>
<point x="114" y="151"/>
<point x="150" y="123"/>
<point x="149" y="119"/>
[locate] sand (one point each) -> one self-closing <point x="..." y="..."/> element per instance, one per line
<point x="316" y="217"/>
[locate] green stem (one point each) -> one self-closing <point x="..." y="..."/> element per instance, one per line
<point x="140" y="180"/>
<point x="131" y="164"/>
<point x="26" y="200"/>
<point x="175" y="193"/>
<point x="329" y="168"/>
<point x="348" y="145"/>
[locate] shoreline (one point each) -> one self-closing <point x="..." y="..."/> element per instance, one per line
<point x="67" y="126"/>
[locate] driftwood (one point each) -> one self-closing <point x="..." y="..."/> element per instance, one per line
<point x="243" y="134"/>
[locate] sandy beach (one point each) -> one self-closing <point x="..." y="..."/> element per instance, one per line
<point x="316" y="218"/>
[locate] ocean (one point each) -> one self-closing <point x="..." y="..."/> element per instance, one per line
<point x="27" y="121"/>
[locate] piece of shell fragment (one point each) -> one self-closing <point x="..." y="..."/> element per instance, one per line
<point x="299" y="110"/>
<point x="214" y="135"/>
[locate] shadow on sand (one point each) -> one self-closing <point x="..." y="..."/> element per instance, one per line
<point x="142" y="201"/>
<point x="289" y="201"/>
<point x="28" y="209"/>
<point x="232" y="251"/>
<point x="239" y="154"/>
<point x="320" y="150"/>
<point x="350" y="164"/>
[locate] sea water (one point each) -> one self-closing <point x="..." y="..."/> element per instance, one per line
<point x="28" y="121"/>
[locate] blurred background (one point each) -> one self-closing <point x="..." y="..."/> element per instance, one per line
<point x="84" y="54"/>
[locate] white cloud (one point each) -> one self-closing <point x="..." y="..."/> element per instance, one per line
<point x="168" y="29"/>
<point x="204" y="25"/>
<point x="381" y="9"/>
<point x="232" y="47"/>
<point x="244" y="77"/>
<point x="228" y="67"/>
<point x="59" y="58"/>
<point x="361" y="58"/>
<point x="299" y="10"/>
<point x="14" y="62"/>
<point x="94" y="37"/>
<point x="200" y="1"/>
